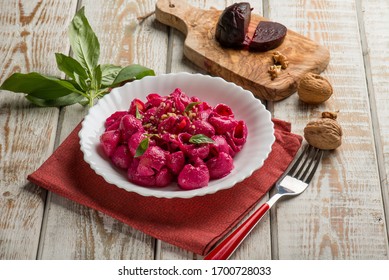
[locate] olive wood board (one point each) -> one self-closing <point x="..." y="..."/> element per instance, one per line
<point x="245" y="68"/>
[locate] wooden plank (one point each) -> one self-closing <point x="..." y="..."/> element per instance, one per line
<point x="257" y="245"/>
<point x="85" y="233"/>
<point x="341" y="215"/>
<point x="31" y="32"/>
<point x="201" y="48"/>
<point x="374" y="18"/>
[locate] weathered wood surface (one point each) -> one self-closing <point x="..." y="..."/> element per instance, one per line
<point x="341" y="216"/>
<point x="375" y="42"/>
<point x="86" y="233"/>
<point x="201" y="48"/>
<point x="31" y="32"/>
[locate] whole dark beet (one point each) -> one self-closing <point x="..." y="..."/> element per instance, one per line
<point x="233" y="24"/>
<point x="268" y="35"/>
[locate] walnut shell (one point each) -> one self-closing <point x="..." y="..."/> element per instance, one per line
<point x="324" y="133"/>
<point x="314" y="89"/>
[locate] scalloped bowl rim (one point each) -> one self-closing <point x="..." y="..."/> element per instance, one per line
<point x="250" y="158"/>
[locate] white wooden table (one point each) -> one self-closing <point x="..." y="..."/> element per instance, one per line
<point x="341" y="216"/>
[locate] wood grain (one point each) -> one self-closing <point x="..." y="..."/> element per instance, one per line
<point x="375" y="38"/>
<point x="200" y="47"/>
<point x="86" y="233"/>
<point x="31" y="32"/>
<point x="340" y="216"/>
<point x="257" y="245"/>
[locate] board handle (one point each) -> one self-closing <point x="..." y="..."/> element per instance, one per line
<point x="174" y="13"/>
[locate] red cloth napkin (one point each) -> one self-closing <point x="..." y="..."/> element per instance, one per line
<point x="194" y="224"/>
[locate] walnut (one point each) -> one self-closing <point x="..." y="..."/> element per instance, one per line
<point x="324" y="133"/>
<point x="314" y="89"/>
<point x="280" y="62"/>
<point x="274" y="70"/>
<point x="280" y="59"/>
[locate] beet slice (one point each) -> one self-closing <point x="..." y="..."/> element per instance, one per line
<point x="233" y="24"/>
<point x="268" y="35"/>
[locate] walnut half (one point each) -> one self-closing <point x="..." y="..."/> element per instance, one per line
<point x="314" y="89"/>
<point x="280" y="62"/>
<point x="280" y="59"/>
<point x="324" y="133"/>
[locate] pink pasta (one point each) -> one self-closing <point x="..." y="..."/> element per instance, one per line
<point x="174" y="138"/>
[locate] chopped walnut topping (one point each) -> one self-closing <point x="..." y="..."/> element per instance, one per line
<point x="274" y="70"/>
<point x="329" y="115"/>
<point x="147" y="125"/>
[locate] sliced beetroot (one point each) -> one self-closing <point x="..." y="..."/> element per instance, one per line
<point x="267" y="36"/>
<point x="233" y="24"/>
<point x="232" y="30"/>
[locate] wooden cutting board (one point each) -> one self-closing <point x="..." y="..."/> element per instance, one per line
<point x="247" y="69"/>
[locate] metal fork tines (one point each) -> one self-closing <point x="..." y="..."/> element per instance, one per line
<point x="297" y="178"/>
<point x="308" y="166"/>
<point x="293" y="182"/>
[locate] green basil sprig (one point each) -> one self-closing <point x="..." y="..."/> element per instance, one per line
<point x="190" y="106"/>
<point x="200" y="139"/>
<point x="87" y="80"/>
<point x="142" y="147"/>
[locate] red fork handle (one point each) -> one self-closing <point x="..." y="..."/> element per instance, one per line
<point x="225" y="249"/>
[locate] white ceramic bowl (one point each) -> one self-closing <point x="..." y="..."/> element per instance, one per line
<point x="213" y="90"/>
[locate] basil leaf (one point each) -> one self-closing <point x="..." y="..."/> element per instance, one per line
<point x="109" y="73"/>
<point x="132" y="72"/>
<point x="66" y="100"/>
<point x="84" y="102"/>
<point x="88" y="79"/>
<point x="85" y="45"/>
<point x="200" y="139"/>
<point x="96" y="82"/>
<point x="81" y="82"/>
<point x="39" y="86"/>
<point x="137" y="114"/>
<point x="142" y="147"/>
<point x="70" y="66"/>
<point x="191" y="105"/>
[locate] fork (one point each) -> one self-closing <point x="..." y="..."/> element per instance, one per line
<point x="292" y="183"/>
